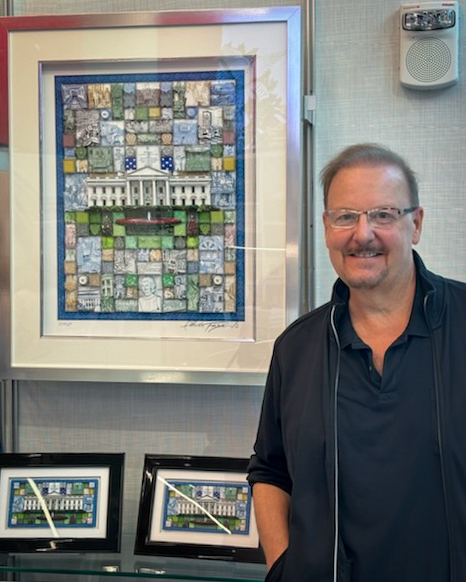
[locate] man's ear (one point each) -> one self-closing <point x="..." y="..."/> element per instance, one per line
<point x="418" y="217"/>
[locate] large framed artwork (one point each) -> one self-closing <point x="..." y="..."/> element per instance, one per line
<point x="60" y="502"/>
<point x="197" y="507"/>
<point x="153" y="193"/>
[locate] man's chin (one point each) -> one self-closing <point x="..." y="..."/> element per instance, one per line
<point x="362" y="284"/>
<point x="364" y="281"/>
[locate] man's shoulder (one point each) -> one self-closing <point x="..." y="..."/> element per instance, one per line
<point x="308" y="326"/>
<point x="448" y="296"/>
<point x="446" y="284"/>
<point x="455" y="285"/>
<point x="438" y="282"/>
<point x="454" y="292"/>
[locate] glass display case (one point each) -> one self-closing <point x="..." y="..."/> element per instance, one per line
<point x="86" y="566"/>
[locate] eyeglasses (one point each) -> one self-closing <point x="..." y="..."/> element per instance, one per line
<point x="382" y="217"/>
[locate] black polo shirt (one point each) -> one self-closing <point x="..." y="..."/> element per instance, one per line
<point x="392" y="513"/>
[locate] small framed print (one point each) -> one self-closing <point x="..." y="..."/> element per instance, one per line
<point x="197" y="507"/>
<point x="61" y="502"/>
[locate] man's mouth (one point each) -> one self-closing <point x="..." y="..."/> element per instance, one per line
<point x="364" y="254"/>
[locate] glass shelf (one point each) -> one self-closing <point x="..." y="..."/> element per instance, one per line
<point x="89" y="566"/>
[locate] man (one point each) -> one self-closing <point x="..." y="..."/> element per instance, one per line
<point x="359" y="471"/>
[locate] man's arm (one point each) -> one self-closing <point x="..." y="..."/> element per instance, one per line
<point x="272" y="508"/>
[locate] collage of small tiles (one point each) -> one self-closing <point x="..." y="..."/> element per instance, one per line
<point x="207" y="506"/>
<point x="151" y="196"/>
<point x="70" y="503"/>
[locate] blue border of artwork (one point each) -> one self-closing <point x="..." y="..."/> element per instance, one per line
<point x="238" y="76"/>
<point x="174" y="483"/>
<point x="59" y="480"/>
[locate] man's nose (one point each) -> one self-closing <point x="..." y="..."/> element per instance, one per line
<point x="363" y="230"/>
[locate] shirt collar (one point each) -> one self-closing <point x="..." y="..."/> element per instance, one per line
<point x="417" y="325"/>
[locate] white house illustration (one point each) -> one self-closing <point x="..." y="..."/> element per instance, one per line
<point x="54" y="502"/>
<point x="149" y="187"/>
<point x="213" y="506"/>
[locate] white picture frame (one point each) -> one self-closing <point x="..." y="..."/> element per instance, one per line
<point x="204" y="352"/>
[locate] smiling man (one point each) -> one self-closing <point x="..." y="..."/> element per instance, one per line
<point x="359" y="471"/>
<point x="363" y="256"/>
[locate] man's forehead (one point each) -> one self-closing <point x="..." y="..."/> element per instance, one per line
<point x="364" y="168"/>
<point x="383" y="175"/>
<point x="369" y="185"/>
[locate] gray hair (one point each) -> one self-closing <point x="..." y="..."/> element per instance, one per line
<point x="369" y="154"/>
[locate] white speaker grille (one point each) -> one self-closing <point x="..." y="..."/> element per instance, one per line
<point x="428" y="60"/>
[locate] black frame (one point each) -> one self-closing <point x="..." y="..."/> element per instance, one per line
<point x="145" y="546"/>
<point x="112" y="461"/>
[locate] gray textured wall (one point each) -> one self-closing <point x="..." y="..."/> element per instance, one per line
<point x="359" y="98"/>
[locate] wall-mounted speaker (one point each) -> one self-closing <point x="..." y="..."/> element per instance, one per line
<point x="429" y="45"/>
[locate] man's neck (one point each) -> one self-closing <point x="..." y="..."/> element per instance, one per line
<point x="379" y="319"/>
<point x="384" y="304"/>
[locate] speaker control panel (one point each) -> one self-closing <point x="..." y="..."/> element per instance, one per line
<point x="429" y="45"/>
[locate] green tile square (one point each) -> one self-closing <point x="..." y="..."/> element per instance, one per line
<point x="95" y="229"/>
<point x="131" y="242"/>
<point x="108" y="304"/>
<point x="216" y="150"/>
<point x="204" y="229"/>
<point x="197" y="161"/>
<point x="117" y="91"/>
<point x="216" y="216"/>
<point x="167" y="242"/>
<point x="230" y="216"/>
<point x="193" y="293"/>
<point x="149" y="242"/>
<point x="148" y="138"/>
<point x="81" y="153"/>
<point x="107" y="242"/>
<point x="168" y="280"/>
<point x="179" y="230"/>
<point x="180" y="214"/>
<point x="95" y="217"/>
<point x="70" y="217"/>
<point x="82" y="217"/>
<point x="204" y="217"/>
<point x="192" y="242"/>
<point x="131" y="280"/>
<point x="77" y="489"/>
<point x="118" y="229"/>
<point x="100" y="159"/>
<point x="118" y="111"/>
<point x="142" y="113"/>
